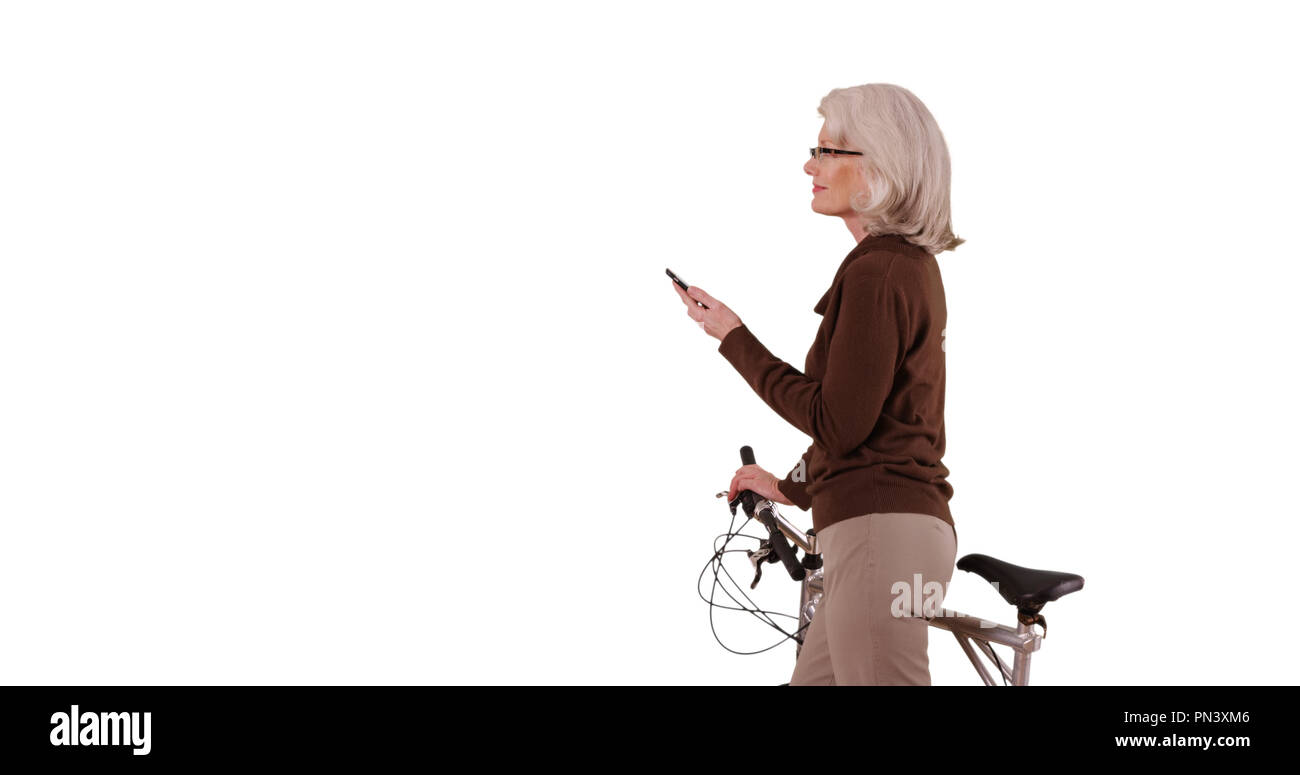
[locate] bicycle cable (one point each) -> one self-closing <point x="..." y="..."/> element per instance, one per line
<point x="1002" y="672"/>
<point x="719" y="570"/>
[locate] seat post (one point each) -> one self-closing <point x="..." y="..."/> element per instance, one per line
<point x="1020" y="667"/>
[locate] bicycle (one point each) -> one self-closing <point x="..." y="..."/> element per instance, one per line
<point x="1028" y="589"/>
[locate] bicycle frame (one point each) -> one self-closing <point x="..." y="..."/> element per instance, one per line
<point x="1023" y="640"/>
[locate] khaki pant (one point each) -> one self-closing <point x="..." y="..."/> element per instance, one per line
<point x="855" y="637"/>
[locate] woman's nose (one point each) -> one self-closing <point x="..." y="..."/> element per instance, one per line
<point x="810" y="167"/>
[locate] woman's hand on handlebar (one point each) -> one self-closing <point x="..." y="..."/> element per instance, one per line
<point x="757" y="480"/>
<point x="717" y="321"/>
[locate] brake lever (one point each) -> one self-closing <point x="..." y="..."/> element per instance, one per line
<point x="757" y="558"/>
<point x="765" y="551"/>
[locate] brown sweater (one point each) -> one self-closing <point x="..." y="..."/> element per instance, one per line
<point x="871" y="392"/>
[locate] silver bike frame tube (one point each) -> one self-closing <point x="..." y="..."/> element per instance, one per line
<point x="1023" y="641"/>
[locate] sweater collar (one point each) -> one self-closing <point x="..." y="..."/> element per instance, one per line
<point x="868" y="242"/>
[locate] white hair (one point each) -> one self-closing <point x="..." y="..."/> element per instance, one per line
<point x="905" y="162"/>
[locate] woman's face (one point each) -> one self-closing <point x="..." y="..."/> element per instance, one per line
<point x="835" y="179"/>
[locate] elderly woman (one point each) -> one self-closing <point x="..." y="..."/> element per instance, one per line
<point x="871" y="393"/>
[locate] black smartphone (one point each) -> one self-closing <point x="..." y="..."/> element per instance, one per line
<point x="683" y="284"/>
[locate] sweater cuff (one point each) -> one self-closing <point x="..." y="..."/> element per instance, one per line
<point x="796" y="492"/>
<point x="736" y="344"/>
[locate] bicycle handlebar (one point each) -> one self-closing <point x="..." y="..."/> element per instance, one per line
<point x="764" y="515"/>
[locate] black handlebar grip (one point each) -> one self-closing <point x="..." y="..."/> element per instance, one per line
<point x="782" y="547"/>
<point x="776" y="538"/>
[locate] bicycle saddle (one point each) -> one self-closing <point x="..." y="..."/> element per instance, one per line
<point x="1025" y="588"/>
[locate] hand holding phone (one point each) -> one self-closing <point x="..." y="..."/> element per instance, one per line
<point x="683" y="284"/>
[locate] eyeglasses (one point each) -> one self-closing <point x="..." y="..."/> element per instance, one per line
<point x="817" y="153"/>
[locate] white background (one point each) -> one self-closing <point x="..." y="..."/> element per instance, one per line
<point x="336" y="345"/>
